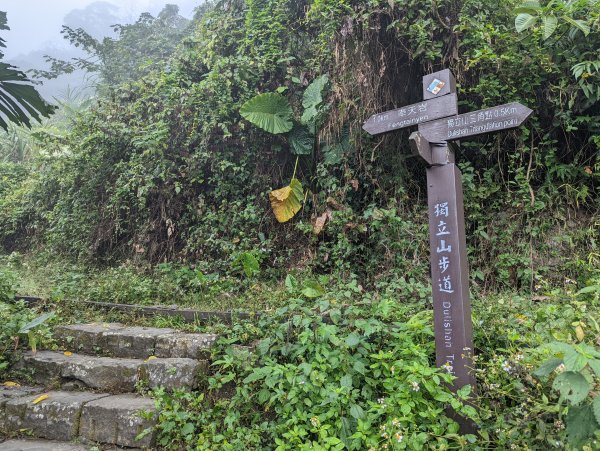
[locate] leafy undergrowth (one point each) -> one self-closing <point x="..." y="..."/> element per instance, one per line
<point x="164" y="284"/>
<point x="354" y="370"/>
<point x="335" y="366"/>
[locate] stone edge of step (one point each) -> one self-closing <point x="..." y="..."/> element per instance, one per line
<point x="79" y="401"/>
<point x="118" y="340"/>
<point x="114" y="374"/>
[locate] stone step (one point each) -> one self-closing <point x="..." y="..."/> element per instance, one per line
<point x="55" y="418"/>
<point x="53" y="445"/>
<point x="88" y="417"/>
<point x="40" y="445"/>
<point x="117" y="420"/>
<point x="118" y="340"/>
<point x="7" y="393"/>
<point x="112" y="374"/>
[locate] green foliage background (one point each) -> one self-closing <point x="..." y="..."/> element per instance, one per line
<point x="163" y="168"/>
<point x="160" y="171"/>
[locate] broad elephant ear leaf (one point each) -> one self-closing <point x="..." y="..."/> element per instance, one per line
<point x="270" y="111"/>
<point x="287" y="201"/>
<point x="313" y="95"/>
<point x="302" y="140"/>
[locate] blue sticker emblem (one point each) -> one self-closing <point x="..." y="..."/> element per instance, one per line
<point x="436" y="86"/>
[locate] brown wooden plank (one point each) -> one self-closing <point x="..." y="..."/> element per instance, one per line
<point x="498" y="118"/>
<point x="410" y="115"/>
<point x="450" y="273"/>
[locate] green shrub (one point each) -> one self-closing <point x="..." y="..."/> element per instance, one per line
<point x="19" y="325"/>
<point x="361" y="379"/>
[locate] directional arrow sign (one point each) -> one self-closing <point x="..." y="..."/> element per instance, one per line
<point x="428" y="110"/>
<point x="494" y="119"/>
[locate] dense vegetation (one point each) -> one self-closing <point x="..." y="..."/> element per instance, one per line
<point x="159" y="191"/>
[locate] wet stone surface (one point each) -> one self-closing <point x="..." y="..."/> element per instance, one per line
<point x="191" y="346"/>
<point x="8" y="393"/>
<point x="134" y="342"/>
<point x="101" y="373"/>
<point x="117" y="420"/>
<point x="172" y="373"/>
<point x="55" y="418"/>
<point x="85" y="338"/>
<point x="40" y="445"/>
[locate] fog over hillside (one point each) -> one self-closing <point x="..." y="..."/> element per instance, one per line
<point x="35" y="27"/>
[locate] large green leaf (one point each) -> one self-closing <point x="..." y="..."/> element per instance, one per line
<point x="19" y="102"/>
<point x="530" y="7"/>
<point x="524" y="21"/>
<point x="301" y="140"/>
<point x="574" y="361"/>
<point x="313" y="95"/>
<point x="270" y="111"/>
<point x="312" y="102"/>
<point x="547" y="367"/>
<point x="581" y="424"/>
<point x="595" y="365"/>
<point x="572" y="386"/>
<point x="596" y="408"/>
<point x="581" y="25"/>
<point x="313" y="289"/>
<point x="550" y="23"/>
<point x="249" y="263"/>
<point x="36" y="322"/>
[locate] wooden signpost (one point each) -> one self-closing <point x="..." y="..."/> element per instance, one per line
<point x="438" y="124"/>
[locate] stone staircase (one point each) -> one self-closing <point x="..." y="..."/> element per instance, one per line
<point x="86" y="393"/>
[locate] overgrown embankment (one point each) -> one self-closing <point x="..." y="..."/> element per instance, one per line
<point x="157" y="191"/>
<point x="163" y="167"/>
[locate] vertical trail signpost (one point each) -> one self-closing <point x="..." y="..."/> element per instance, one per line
<point x="438" y="124"/>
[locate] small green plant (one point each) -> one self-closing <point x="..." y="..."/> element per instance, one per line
<point x="248" y="263"/>
<point x="575" y="372"/>
<point x="20" y="325"/>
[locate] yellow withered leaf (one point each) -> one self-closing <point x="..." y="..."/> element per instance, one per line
<point x="68" y="353"/>
<point x="287" y="201"/>
<point x="152" y="357"/>
<point x="579" y="333"/>
<point x="40" y="398"/>
<point x="11" y="384"/>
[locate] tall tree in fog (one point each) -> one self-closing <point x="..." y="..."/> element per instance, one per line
<point x="96" y="19"/>
<point x="135" y="50"/>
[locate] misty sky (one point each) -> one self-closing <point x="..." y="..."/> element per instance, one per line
<point x="36" y="24"/>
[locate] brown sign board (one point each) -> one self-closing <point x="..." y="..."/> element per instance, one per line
<point x="428" y="110"/>
<point x="450" y="274"/>
<point x="502" y="117"/>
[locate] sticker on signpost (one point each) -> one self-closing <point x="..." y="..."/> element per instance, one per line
<point x="436" y="86"/>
